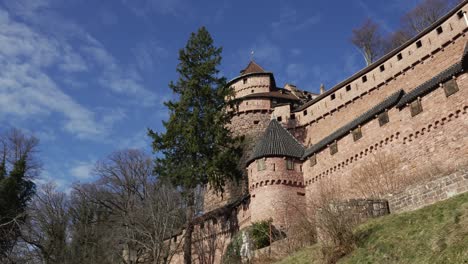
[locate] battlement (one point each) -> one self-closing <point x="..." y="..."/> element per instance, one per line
<point x="408" y="109"/>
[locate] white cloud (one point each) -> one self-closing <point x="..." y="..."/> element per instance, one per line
<point x="26" y="90"/>
<point x="82" y="170"/>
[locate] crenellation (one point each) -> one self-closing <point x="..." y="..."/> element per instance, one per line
<point x="409" y="112"/>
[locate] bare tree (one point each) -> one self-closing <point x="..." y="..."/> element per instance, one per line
<point x="368" y="40"/>
<point x="333" y="222"/>
<point x="395" y="40"/>
<point x="46" y="229"/>
<point x="425" y="14"/>
<point x="141" y="211"/>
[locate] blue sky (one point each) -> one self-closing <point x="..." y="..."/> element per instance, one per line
<point x="89" y="77"/>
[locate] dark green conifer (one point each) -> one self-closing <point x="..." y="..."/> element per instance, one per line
<point x="197" y="148"/>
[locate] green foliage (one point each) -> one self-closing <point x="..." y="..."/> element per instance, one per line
<point x="197" y="148"/>
<point x="232" y="254"/>
<point x="260" y="233"/>
<point x="15" y="192"/>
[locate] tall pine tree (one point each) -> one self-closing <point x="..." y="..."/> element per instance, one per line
<point x="197" y="148"/>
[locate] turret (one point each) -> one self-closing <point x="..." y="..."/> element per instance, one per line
<point x="275" y="178"/>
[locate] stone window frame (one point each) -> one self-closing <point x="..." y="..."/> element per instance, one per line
<point x="357" y="133"/>
<point x="261" y="166"/>
<point x="313" y="160"/>
<point x="383" y="118"/>
<point x="415" y="107"/>
<point x="333" y="148"/>
<point x="289" y="164"/>
<point x="450" y="87"/>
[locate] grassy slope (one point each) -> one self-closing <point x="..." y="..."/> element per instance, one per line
<point x="434" y="234"/>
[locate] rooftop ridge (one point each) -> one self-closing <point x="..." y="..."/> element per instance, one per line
<point x="277" y="141"/>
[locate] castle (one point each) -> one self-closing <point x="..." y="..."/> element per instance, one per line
<point x="411" y="104"/>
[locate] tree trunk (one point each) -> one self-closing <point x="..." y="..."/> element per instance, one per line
<point x="189" y="228"/>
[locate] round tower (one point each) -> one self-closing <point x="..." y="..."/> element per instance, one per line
<point x="275" y="178"/>
<point x="255" y="96"/>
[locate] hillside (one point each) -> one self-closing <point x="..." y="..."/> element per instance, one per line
<point x="434" y="234"/>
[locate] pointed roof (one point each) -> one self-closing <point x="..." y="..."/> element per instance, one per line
<point x="251" y="68"/>
<point x="277" y="142"/>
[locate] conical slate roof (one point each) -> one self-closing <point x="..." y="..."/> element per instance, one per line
<point x="252" y="68"/>
<point x="277" y="142"/>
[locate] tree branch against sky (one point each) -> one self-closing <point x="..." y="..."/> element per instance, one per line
<point x="197" y="148"/>
<point x="368" y="40"/>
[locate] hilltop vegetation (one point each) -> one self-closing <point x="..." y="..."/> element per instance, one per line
<point x="434" y="234"/>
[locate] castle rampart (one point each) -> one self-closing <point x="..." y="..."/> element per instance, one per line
<point x="404" y="116"/>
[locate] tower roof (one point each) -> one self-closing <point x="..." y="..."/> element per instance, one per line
<point x="251" y="68"/>
<point x="277" y="142"/>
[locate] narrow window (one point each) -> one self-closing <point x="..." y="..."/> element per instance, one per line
<point x="246" y="103"/>
<point x="261" y="165"/>
<point x="418" y="44"/>
<point x="289" y="164"/>
<point x="460" y="14"/>
<point x="333" y="96"/>
<point x="252" y="91"/>
<point x="313" y="160"/>
<point x="439" y="30"/>
<point x="274" y="166"/>
<point x="348" y="87"/>
<point x="256" y="122"/>
<point x="279" y="118"/>
<point x="416" y="107"/>
<point x="292" y="116"/>
<point x="305" y="112"/>
<point x="244" y="80"/>
<point x="450" y="87"/>
<point x="383" y="118"/>
<point x="357" y="134"/>
<point x="364" y="78"/>
<point x="399" y="56"/>
<point x="382" y="68"/>
<point x="333" y="148"/>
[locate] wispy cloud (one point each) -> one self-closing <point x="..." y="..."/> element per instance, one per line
<point x="291" y="21"/>
<point x="148" y="55"/>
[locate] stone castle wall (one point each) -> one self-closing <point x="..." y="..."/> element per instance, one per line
<point x="416" y="146"/>
<point x="276" y="192"/>
<point x="430" y="192"/>
<point x="351" y="98"/>
<point x="435" y="139"/>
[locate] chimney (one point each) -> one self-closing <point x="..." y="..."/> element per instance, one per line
<point x="322" y="88"/>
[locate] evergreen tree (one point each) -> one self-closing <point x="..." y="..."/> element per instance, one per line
<point x="16" y="190"/>
<point x="197" y="148"/>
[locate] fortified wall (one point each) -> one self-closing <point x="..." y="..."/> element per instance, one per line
<point x="406" y="113"/>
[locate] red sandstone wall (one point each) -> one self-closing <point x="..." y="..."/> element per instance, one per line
<point x="418" y="65"/>
<point x="276" y="192"/>
<point x="436" y="137"/>
<point x="254" y="84"/>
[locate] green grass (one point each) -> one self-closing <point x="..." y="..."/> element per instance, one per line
<point x="434" y="234"/>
